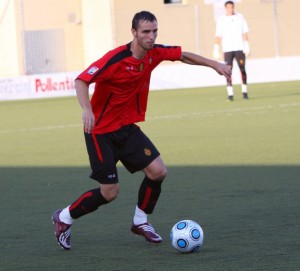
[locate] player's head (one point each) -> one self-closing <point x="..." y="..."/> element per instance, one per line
<point x="143" y="16"/>
<point x="229" y="7"/>
<point x="144" y="29"/>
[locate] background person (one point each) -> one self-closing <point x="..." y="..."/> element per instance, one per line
<point x="232" y="33"/>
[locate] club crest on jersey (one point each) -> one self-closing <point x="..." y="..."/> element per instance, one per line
<point x="147" y="152"/>
<point x="92" y="70"/>
<point x="141" y="67"/>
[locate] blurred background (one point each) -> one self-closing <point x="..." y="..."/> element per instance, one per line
<point x="65" y="36"/>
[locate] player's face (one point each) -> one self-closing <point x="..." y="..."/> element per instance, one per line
<point x="146" y="34"/>
<point x="229" y="9"/>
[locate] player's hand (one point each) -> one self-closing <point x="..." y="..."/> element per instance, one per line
<point x="88" y="119"/>
<point x="223" y="69"/>
<point x="216" y="52"/>
<point x="246" y="49"/>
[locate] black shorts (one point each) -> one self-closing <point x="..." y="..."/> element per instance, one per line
<point x="238" y="55"/>
<point x="128" y="145"/>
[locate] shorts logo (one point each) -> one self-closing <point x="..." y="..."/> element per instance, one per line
<point x="92" y="70"/>
<point x="241" y="61"/>
<point x="111" y="176"/>
<point x="147" y="152"/>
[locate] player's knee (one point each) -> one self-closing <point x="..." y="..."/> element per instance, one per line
<point x="159" y="174"/>
<point x="110" y="192"/>
<point x="162" y="174"/>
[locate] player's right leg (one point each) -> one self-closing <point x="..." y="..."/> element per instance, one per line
<point x="88" y="202"/>
<point x="228" y="58"/>
<point x="104" y="171"/>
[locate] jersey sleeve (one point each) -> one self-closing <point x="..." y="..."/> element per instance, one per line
<point x="171" y="53"/>
<point x="89" y="74"/>
<point x="245" y="26"/>
<point x="103" y="68"/>
<point x="219" y="28"/>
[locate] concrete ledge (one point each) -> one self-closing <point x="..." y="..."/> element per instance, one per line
<point x="169" y="76"/>
<point x="179" y="75"/>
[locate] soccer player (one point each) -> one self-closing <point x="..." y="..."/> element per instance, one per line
<point x="232" y="31"/>
<point x="122" y="78"/>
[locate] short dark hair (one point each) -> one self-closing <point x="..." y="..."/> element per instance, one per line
<point x="229" y="2"/>
<point x="142" y="16"/>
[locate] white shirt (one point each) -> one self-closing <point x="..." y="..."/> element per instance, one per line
<point x="231" y="30"/>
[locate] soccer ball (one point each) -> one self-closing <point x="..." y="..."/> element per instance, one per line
<point x="187" y="236"/>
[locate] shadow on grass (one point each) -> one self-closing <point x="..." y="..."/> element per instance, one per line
<point x="249" y="214"/>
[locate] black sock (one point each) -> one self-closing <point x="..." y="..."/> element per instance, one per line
<point x="148" y="195"/>
<point x="87" y="203"/>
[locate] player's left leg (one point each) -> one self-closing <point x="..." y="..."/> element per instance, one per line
<point x="149" y="193"/>
<point x="146" y="158"/>
<point x="241" y="60"/>
<point x="150" y="188"/>
<point x="228" y="58"/>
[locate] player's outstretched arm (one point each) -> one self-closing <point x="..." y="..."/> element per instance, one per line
<point x="193" y="59"/>
<point x="82" y="92"/>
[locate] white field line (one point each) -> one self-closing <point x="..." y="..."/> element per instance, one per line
<point x="229" y="111"/>
<point x="167" y="117"/>
<point x="42" y="128"/>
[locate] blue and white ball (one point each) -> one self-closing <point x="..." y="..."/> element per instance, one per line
<point x="187" y="236"/>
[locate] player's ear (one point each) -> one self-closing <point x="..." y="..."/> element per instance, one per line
<point x="133" y="31"/>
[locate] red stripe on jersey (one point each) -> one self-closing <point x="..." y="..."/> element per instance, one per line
<point x="77" y="202"/>
<point x="146" y="199"/>
<point x="97" y="148"/>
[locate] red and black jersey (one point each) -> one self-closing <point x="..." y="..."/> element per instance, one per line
<point x="122" y="85"/>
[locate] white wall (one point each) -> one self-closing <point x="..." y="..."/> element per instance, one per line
<point x="97" y="26"/>
<point x="9" y="57"/>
